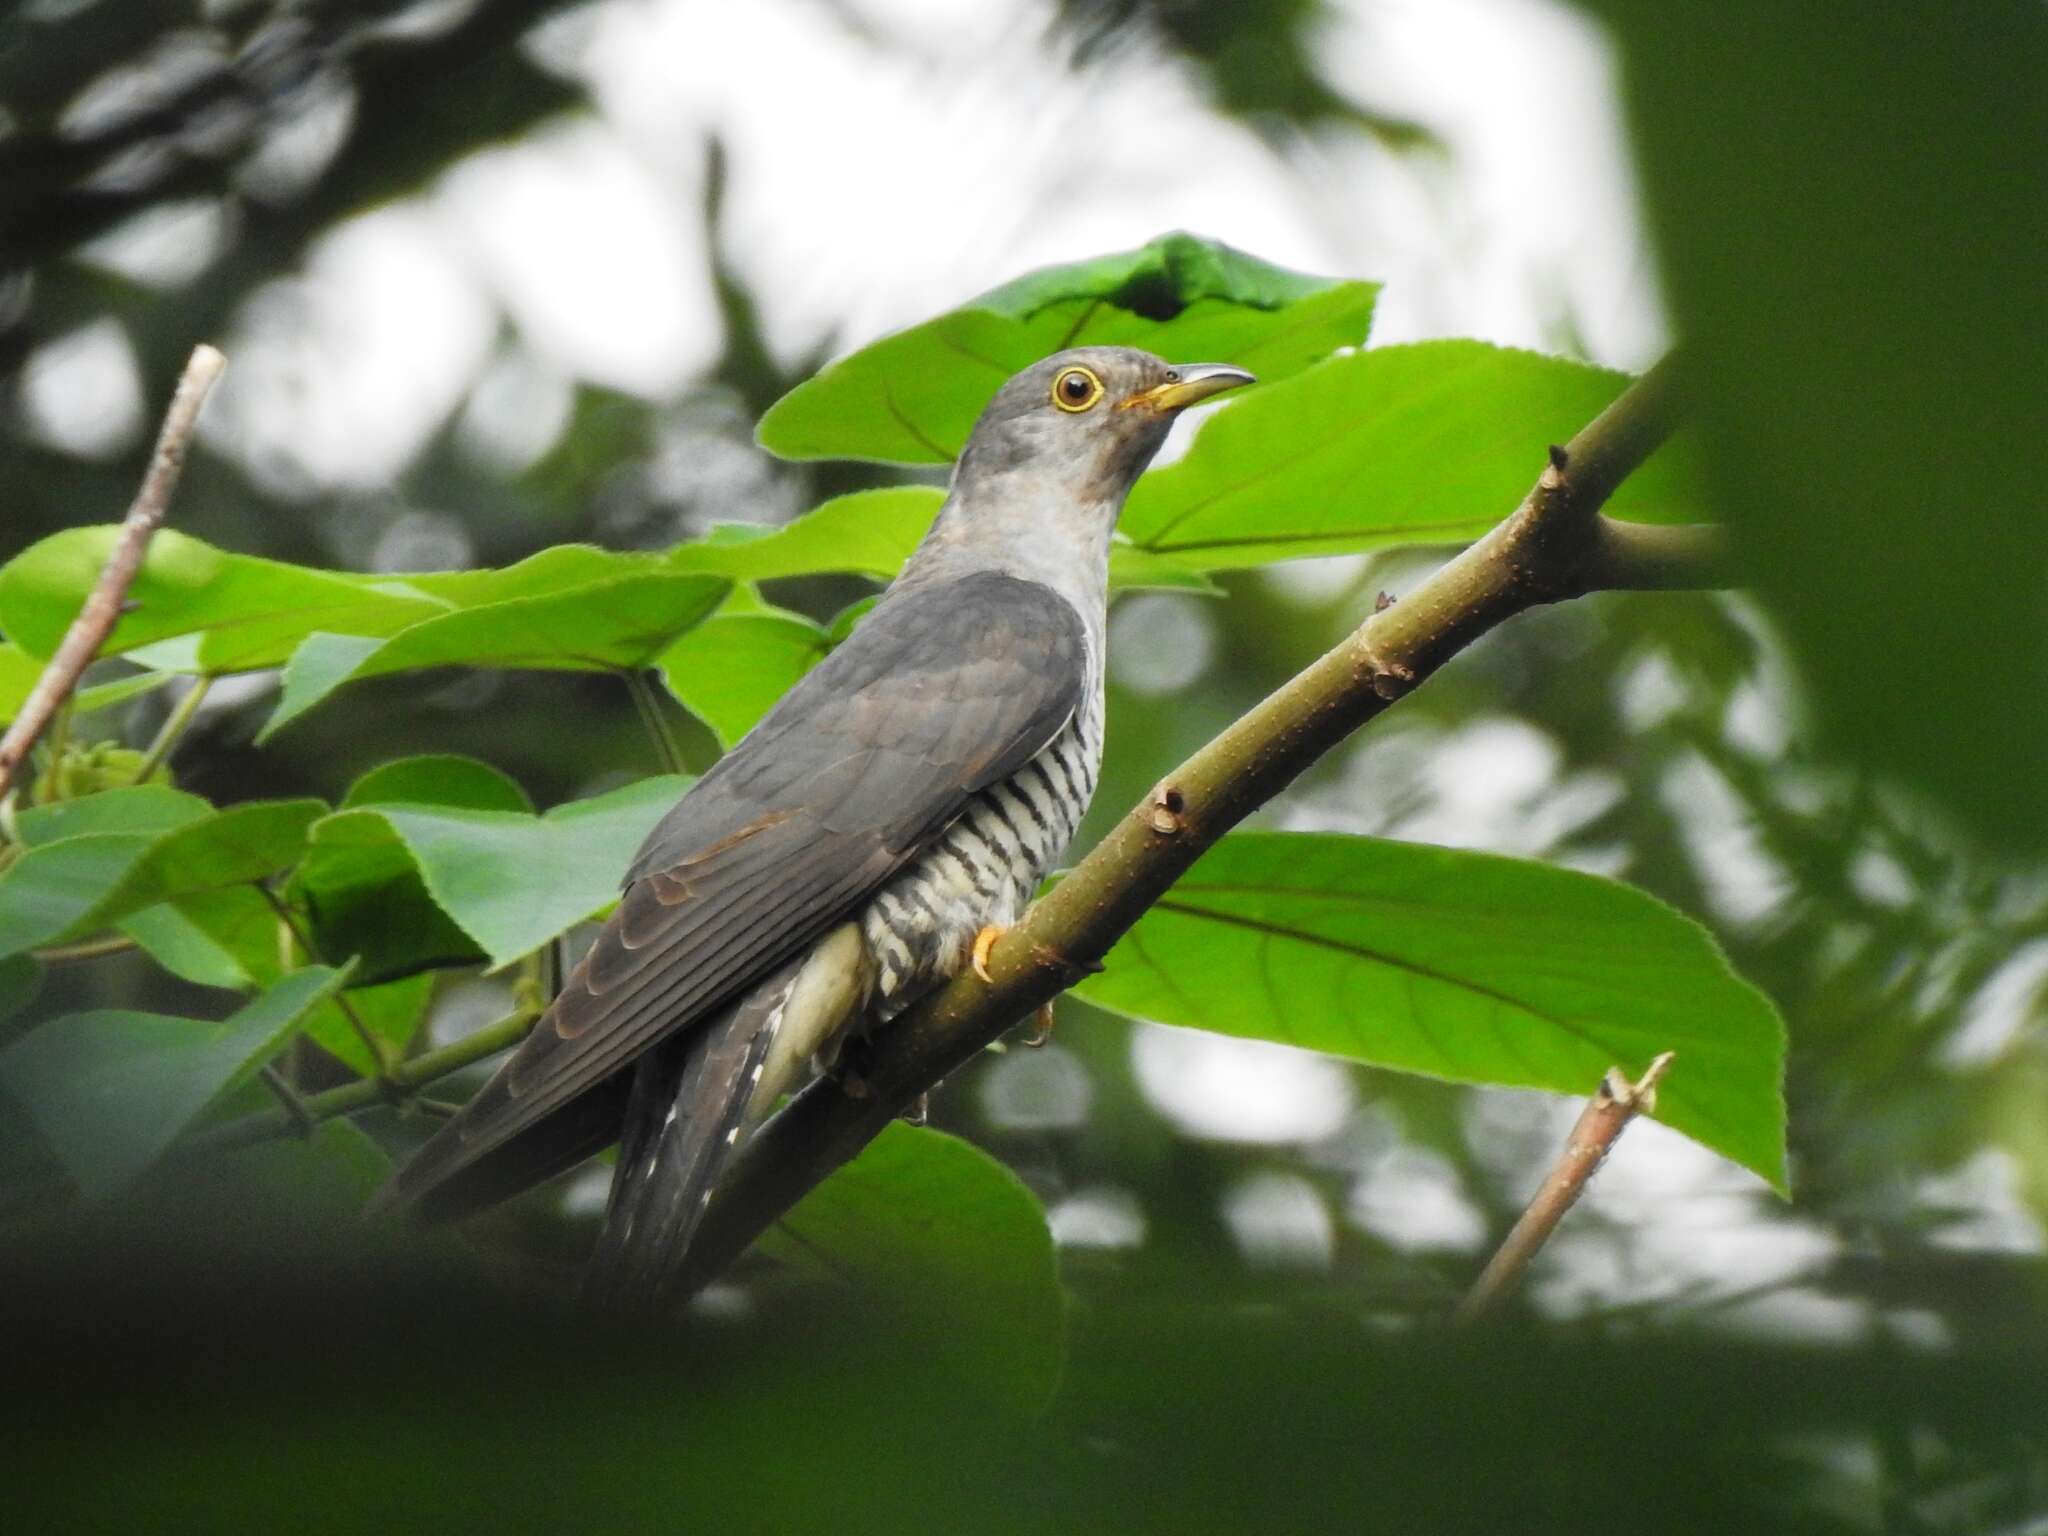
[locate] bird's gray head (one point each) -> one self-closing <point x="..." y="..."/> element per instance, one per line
<point x="1082" y="425"/>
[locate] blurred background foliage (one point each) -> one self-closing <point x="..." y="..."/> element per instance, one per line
<point x="503" y="274"/>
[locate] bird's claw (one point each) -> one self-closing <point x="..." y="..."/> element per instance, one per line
<point x="1041" y="1026"/>
<point x="985" y="941"/>
<point x="919" y="1110"/>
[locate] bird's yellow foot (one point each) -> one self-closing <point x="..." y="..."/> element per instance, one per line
<point x="985" y="941"/>
<point x="1041" y="1027"/>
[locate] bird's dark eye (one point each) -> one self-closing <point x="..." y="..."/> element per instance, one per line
<point x="1076" y="389"/>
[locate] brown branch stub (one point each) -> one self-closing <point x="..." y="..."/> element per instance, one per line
<point x="109" y="597"/>
<point x="1614" y="1104"/>
<point x="1165" y="812"/>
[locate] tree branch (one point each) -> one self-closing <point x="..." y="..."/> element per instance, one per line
<point x="102" y="609"/>
<point x="1555" y="545"/>
<point x="1614" y="1104"/>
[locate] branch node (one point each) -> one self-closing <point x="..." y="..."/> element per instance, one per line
<point x="1560" y="458"/>
<point x="1068" y="970"/>
<point x="1383" y="602"/>
<point x="1164" y="812"/>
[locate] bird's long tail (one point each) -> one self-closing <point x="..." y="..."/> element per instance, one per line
<point x="689" y="1107"/>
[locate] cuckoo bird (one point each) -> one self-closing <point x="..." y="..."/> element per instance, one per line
<point x="862" y="844"/>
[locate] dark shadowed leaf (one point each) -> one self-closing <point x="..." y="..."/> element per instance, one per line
<point x="1850" y="223"/>
<point x="912" y="398"/>
<point x="1464" y="966"/>
<point x="110" y="1090"/>
<point x="506" y="880"/>
<point x="930" y="1235"/>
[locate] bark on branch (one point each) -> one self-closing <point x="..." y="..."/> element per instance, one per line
<point x="102" y="610"/>
<point x="1555" y="545"/>
<point x="1607" y="1114"/>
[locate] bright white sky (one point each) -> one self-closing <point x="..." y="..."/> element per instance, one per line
<point x="872" y="186"/>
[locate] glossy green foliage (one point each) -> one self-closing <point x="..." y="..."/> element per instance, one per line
<point x="1465" y="966"/>
<point x="911" y="398"/>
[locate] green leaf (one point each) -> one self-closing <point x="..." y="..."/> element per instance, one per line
<point x="912" y="398"/>
<point x="110" y="1090"/>
<point x="78" y="851"/>
<point x="236" y="846"/>
<point x="871" y="533"/>
<point x="508" y="881"/>
<point x="90" y="882"/>
<point x="233" y="939"/>
<point x="227" y="938"/>
<point x="868" y="533"/>
<point x="1465" y="966"/>
<point x="614" y="625"/>
<point x="19" y="672"/>
<point x="729" y="671"/>
<point x="438" y="779"/>
<point x="245" y="612"/>
<point x="134" y="808"/>
<point x="391" y="1011"/>
<point x="934" y="1237"/>
<point x="1429" y="443"/>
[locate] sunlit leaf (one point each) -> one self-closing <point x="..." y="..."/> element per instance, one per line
<point x="507" y="881"/>
<point x="729" y="671"/>
<point x="866" y="533"/>
<point x="110" y="1090"/>
<point x="1428" y="443"/>
<point x="1465" y="966"/>
<point x="246" y="612"/>
<point x="930" y="1235"/>
<point x="612" y="625"/>
<point x="912" y="398"/>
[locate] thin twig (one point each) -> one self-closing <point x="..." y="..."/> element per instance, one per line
<point x="1606" y="1115"/>
<point x="96" y="620"/>
<point x="408" y="1075"/>
<point x="649" y="706"/>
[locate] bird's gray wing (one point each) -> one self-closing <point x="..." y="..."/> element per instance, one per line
<point x="942" y="691"/>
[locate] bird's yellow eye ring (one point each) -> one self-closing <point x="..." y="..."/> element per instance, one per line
<point x="1076" y="389"/>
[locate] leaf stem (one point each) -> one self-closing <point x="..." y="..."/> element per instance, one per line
<point x="374" y="1043"/>
<point x="294" y="1106"/>
<point x="103" y="605"/>
<point x="649" y="706"/>
<point x="173" y="728"/>
<point x="85" y="949"/>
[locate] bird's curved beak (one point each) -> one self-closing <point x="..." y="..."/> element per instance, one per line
<point x="1190" y="384"/>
